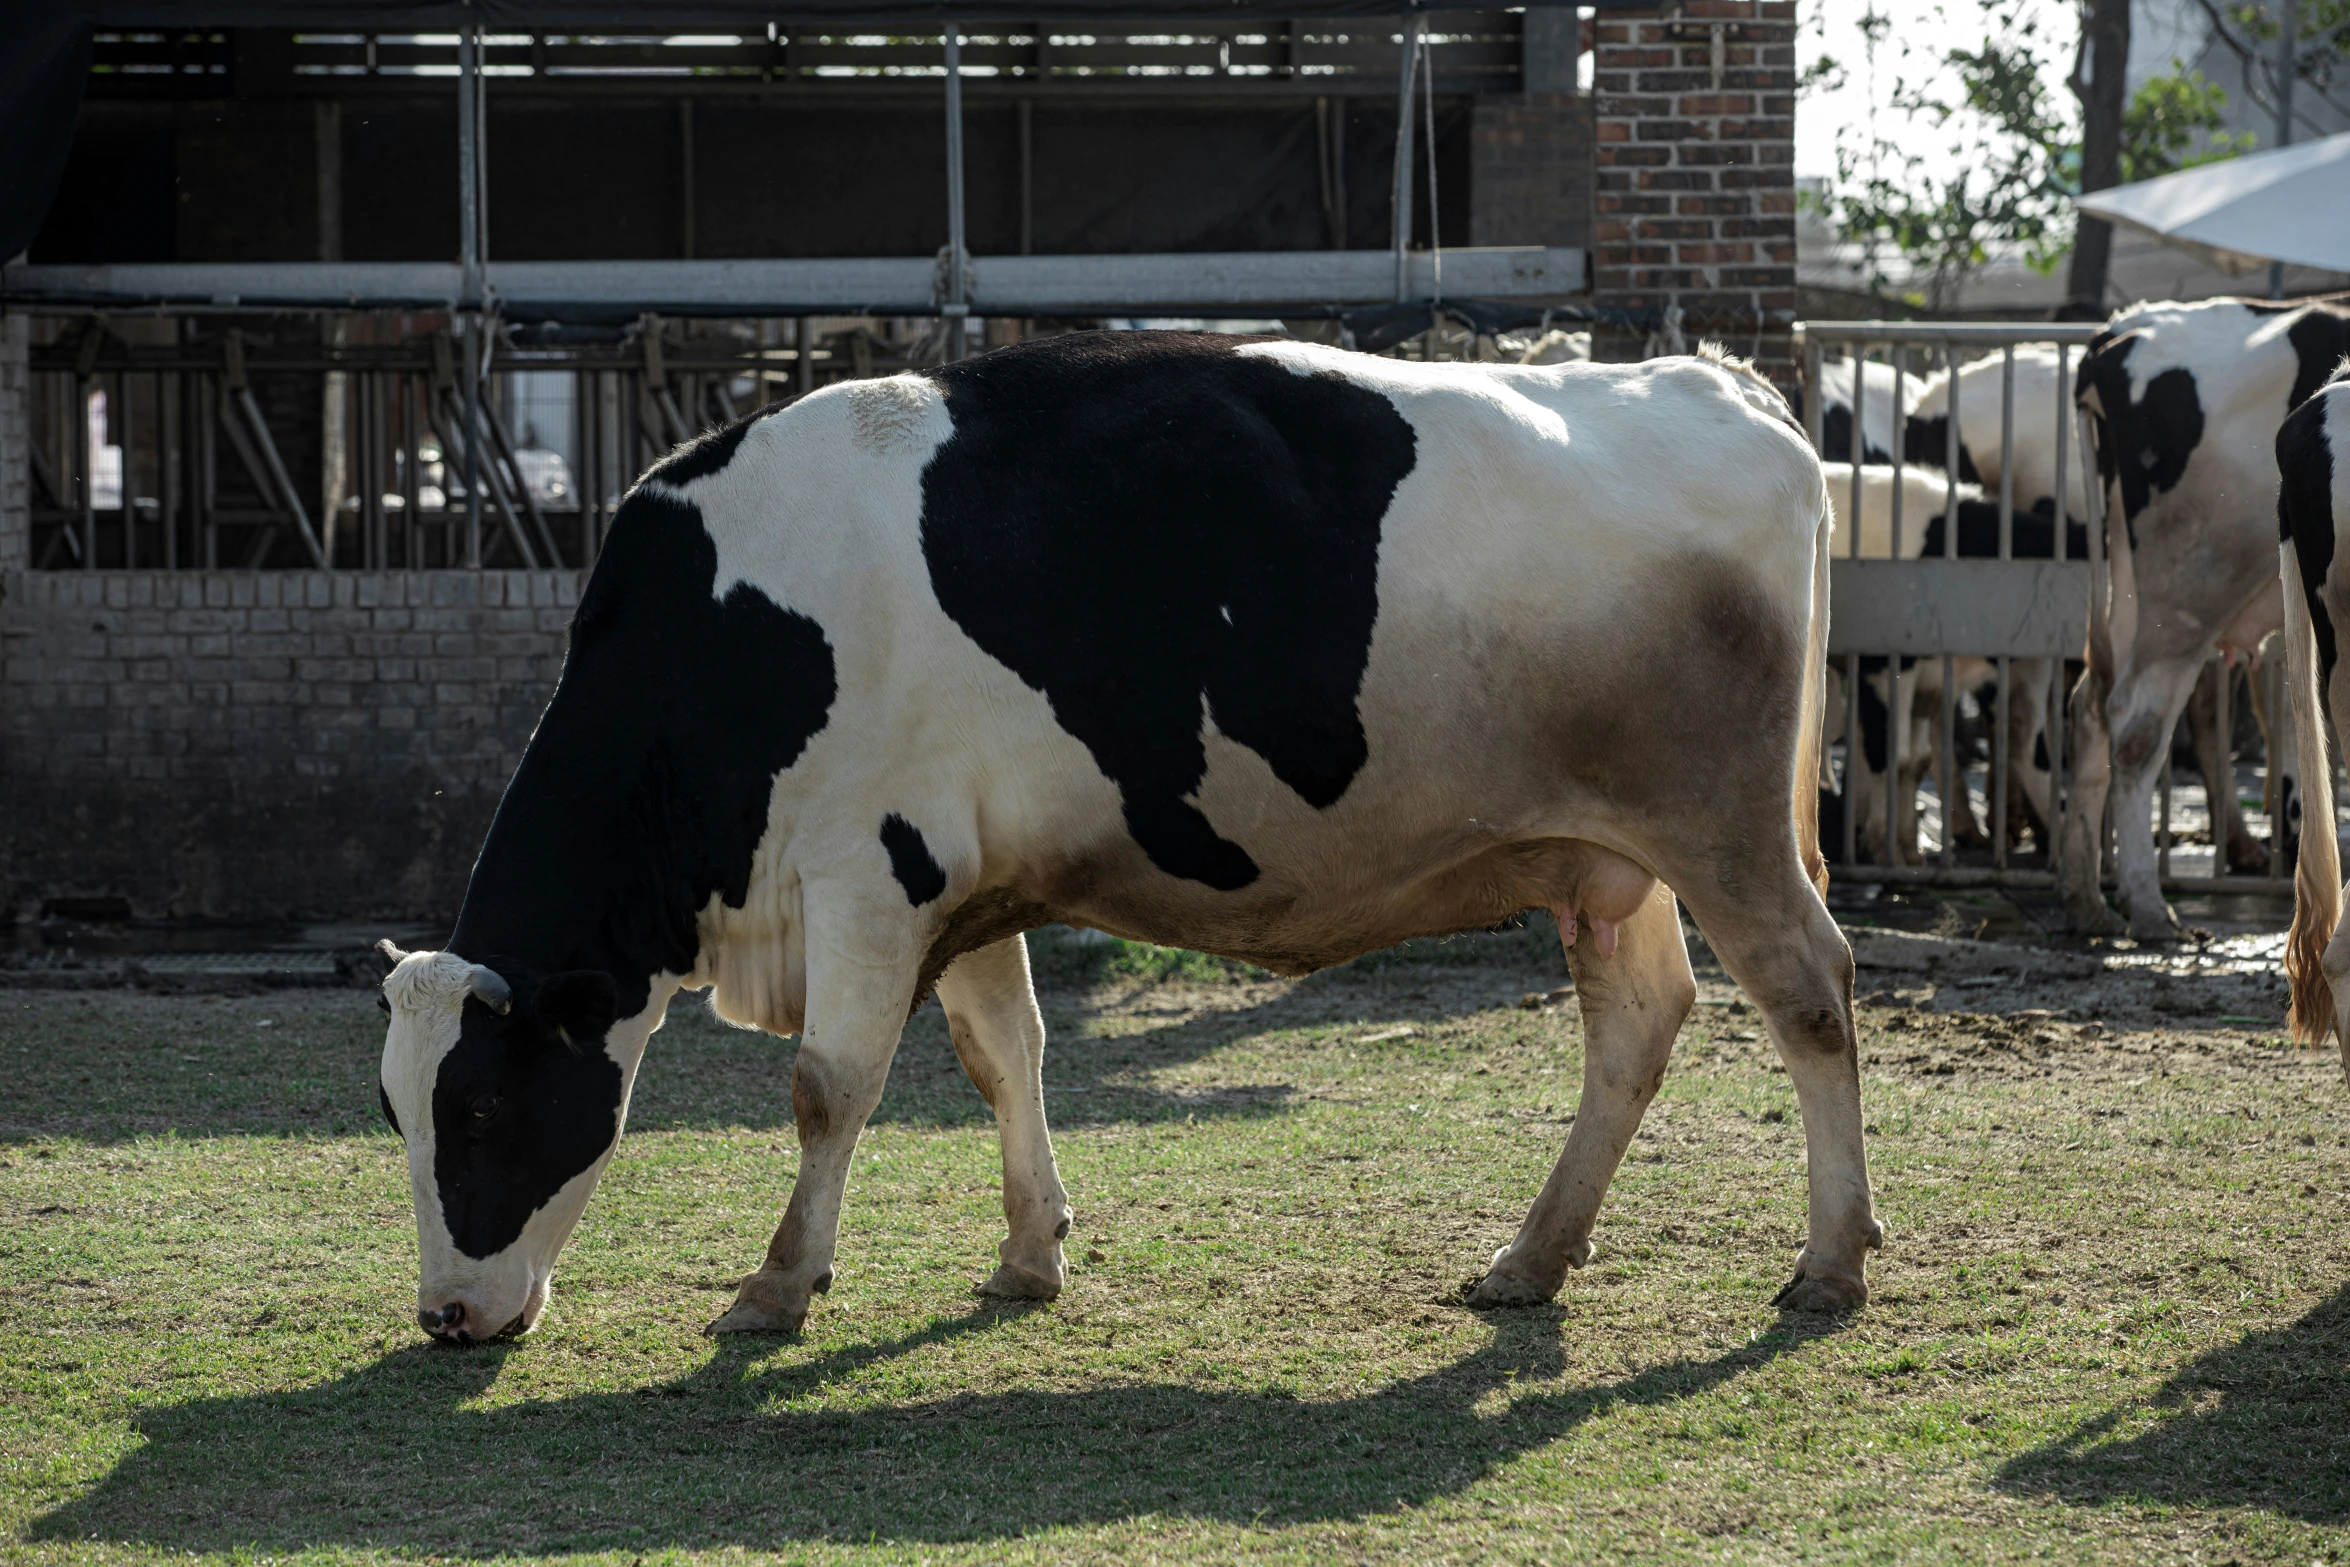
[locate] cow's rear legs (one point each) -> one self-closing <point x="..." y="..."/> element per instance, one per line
<point x="1787" y="955"/>
<point x="1633" y="1003"/>
<point x="999" y="1037"/>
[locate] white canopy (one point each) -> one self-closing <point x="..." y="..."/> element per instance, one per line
<point x="2292" y="204"/>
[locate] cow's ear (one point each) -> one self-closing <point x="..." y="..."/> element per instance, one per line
<point x="576" y="1006"/>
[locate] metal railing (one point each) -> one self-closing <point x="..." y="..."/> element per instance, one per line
<point x="1906" y="622"/>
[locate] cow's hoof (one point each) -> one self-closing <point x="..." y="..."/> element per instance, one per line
<point x="1011" y="1283"/>
<point x="2162" y="926"/>
<point x="2247" y="856"/>
<point x="1825" y="1293"/>
<point x="1507" y="1284"/>
<point x="764" y="1303"/>
<point x="2091" y="919"/>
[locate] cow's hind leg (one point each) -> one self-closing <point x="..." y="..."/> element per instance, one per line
<point x="1775" y="938"/>
<point x="999" y="1037"/>
<point x="860" y="982"/>
<point x="1633" y="1003"/>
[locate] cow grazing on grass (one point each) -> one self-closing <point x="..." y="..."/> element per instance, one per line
<point x="2185" y="402"/>
<point x="1253" y="647"/>
<point x="2313" y="515"/>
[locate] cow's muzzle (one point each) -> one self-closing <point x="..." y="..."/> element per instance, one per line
<point x="452" y="1324"/>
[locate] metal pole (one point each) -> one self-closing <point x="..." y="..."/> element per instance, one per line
<point x="1403" y="154"/>
<point x="957" y="308"/>
<point x="2288" y="46"/>
<point x="469" y="258"/>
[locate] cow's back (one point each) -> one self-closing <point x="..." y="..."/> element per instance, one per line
<point x="1237" y="644"/>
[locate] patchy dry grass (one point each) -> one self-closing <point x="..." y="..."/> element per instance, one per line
<point x="2111" y="1323"/>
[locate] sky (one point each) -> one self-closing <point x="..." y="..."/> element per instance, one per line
<point x="1927" y="28"/>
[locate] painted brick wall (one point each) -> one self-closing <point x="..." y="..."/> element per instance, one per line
<point x="265" y="745"/>
<point x="1695" y="206"/>
<point x="1530" y="170"/>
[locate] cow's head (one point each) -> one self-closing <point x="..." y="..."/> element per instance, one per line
<point x="510" y="1098"/>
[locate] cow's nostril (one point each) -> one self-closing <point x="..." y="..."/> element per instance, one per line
<point x="443" y="1320"/>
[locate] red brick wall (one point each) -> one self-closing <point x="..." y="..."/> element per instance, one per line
<point x="1695" y="205"/>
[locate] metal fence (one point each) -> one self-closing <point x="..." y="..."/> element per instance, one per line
<point x="1939" y="609"/>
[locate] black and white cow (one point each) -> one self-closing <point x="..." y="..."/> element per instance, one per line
<point x="1881" y="423"/>
<point x="1253" y="647"/>
<point x="2184" y="402"/>
<point x="2313" y="515"/>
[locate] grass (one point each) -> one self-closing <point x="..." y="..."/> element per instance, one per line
<point x="2111" y="1324"/>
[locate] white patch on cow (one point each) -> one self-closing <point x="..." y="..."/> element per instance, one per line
<point x="890" y="415"/>
<point x="2043" y="396"/>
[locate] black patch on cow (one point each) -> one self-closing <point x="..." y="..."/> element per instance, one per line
<point x="1927" y="440"/>
<point x="1836" y="436"/>
<point x="2040" y="761"/>
<point x="2145" y="441"/>
<point x="709" y="452"/>
<point x="2305" y="516"/>
<point x="1149" y="528"/>
<point x="2033" y="536"/>
<point x="642" y="794"/>
<point x="1873" y="713"/>
<point x="2320" y="338"/>
<point x="910" y="860"/>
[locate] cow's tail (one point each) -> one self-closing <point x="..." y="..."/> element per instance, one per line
<point x="1815" y="697"/>
<point x="2317" y="870"/>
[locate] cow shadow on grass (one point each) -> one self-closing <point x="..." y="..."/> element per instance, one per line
<point x="401" y="1457"/>
<point x="2259" y="1423"/>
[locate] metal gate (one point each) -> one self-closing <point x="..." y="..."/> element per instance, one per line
<point x="1985" y="639"/>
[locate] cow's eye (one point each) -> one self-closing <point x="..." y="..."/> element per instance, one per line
<point x="484" y="1108"/>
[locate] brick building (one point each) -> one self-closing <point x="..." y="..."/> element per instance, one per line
<point x="280" y="741"/>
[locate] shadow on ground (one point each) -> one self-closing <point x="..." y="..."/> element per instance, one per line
<point x="2260" y="1423"/>
<point x="392" y="1457"/>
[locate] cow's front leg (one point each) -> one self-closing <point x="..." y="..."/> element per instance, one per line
<point x="1633" y="1003"/>
<point x="858" y="993"/>
<point x="999" y="1037"/>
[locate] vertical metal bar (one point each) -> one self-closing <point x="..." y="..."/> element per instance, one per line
<point x="804" y="360"/>
<point x="957" y="308"/>
<point x="1950" y="453"/>
<point x="469" y="258"/>
<point x="1814" y="417"/>
<point x="1849" y="787"/>
<point x="411" y="475"/>
<point x="2001" y="762"/>
<point x="1899" y="365"/>
<point x="89" y="466"/>
<point x="1894" y="844"/>
<point x="207" y="434"/>
<point x="1859" y="357"/>
<point x="130" y="485"/>
<point x="169" y="386"/>
<point x="1402" y="200"/>
<point x="2057" y="794"/>
<point x="2227" y="768"/>
<point x="2064" y="402"/>
<point x="2162" y="832"/>
<point x="2007" y="453"/>
<point x="1953" y="776"/>
<point x="2273" y="673"/>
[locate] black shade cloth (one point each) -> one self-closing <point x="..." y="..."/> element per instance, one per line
<point x="44" y="57"/>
